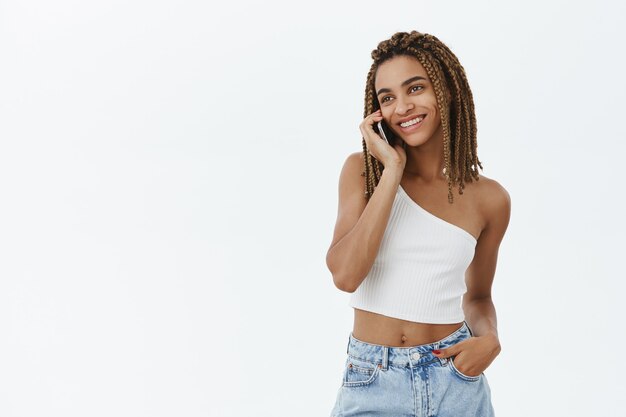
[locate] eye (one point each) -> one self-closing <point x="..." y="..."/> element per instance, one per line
<point x="384" y="99"/>
<point x="416" y="86"/>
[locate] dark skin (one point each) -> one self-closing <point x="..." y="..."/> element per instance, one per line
<point x="483" y="210"/>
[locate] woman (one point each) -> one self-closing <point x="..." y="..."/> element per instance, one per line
<point x="418" y="260"/>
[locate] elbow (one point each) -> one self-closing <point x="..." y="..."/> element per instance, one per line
<point x="343" y="284"/>
<point x="343" y="281"/>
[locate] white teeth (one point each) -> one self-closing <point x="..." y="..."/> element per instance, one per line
<point x="412" y="122"/>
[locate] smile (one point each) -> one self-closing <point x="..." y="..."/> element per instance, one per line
<point x="412" y="124"/>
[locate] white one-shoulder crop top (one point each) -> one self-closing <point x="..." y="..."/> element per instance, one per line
<point x="419" y="271"/>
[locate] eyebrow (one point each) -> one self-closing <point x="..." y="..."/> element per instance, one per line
<point x="409" y="81"/>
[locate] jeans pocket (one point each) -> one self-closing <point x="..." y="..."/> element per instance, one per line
<point x="459" y="374"/>
<point x="358" y="372"/>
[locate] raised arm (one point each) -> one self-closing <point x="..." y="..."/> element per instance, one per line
<point x="360" y="224"/>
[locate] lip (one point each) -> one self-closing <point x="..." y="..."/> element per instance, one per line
<point x="413" y="116"/>
<point x="412" y="127"/>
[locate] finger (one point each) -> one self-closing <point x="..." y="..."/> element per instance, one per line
<point x="377" y="113"/>
<point x="368" y="129"/>
<point x="447" y="352"/>
<point x="371" y="119"/>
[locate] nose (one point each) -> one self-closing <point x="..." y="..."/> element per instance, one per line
<point x="403" y="107"/>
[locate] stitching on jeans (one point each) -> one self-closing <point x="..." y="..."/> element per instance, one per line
<point x="395" y="364"/>
<point x="370" y="380"/>
<point x="361" y="370"/>
<point x="361" y="359"/>
<point x="469" y="378"/>
<point x="429" y="402"/>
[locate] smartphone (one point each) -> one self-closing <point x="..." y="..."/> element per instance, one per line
<point x="385" y="132"/>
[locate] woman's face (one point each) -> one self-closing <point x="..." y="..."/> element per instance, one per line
<point x="407" y="99"/>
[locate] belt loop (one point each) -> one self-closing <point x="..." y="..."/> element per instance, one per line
<point x="442" y="361"/>
<point x="385" y="357"/>
<point x="468" y="328"/>
<point x="348" y="346"/>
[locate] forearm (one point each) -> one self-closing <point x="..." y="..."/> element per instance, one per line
<point x="480" y="315"/>
<point x="352" y="257"/>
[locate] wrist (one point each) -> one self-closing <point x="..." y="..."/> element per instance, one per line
<point x="493" y="341"/>
<point x="394" y="169"/>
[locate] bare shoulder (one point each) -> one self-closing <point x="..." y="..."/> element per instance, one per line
<point x="353" y="167"/>
<point x="357" y="159"/>
<point x="495" y="202"/>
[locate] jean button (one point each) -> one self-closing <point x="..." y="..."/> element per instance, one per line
<point x="415" y="356"/>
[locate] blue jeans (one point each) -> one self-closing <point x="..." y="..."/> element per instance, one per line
<point x="410" y="381"/>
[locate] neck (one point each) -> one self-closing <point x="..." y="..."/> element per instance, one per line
<point x="426" y="161"/>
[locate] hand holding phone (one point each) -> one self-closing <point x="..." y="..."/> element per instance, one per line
<point x="374" y="129"/>
<point x="381" y="131"/>
<point x="384" y="131"/>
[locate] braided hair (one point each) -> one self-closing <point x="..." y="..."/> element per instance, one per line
<point x="454" y="102"/>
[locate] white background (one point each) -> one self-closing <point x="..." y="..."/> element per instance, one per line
<point x="168" y="185"/>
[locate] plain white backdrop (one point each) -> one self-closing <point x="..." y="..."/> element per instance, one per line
<point x="168" y="191"/>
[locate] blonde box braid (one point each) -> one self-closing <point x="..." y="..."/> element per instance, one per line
<point x="448" y="77"/>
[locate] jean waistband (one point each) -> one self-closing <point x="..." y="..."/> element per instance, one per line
<point x="404" y="356"/>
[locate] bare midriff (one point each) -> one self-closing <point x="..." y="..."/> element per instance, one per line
<point x="388" y="331"/>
